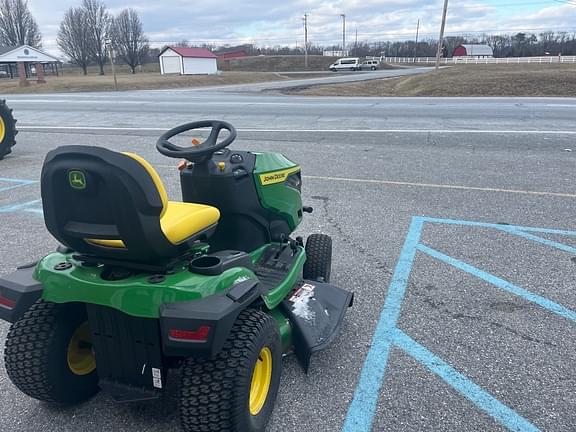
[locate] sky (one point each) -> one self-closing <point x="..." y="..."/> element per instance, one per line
<point x="269" y="23"/>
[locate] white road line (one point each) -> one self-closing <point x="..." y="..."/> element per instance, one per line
<point x="399" y="131"/>
<point x="170" y="103"/>
<point x="441" y="186"/>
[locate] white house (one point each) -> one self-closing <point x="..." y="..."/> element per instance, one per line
<point x="187" y="61"/>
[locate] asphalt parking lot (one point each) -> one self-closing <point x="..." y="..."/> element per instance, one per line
<point x="458" y="247"/>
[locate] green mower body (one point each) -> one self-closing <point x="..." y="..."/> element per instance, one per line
<point x="242" y="281"/>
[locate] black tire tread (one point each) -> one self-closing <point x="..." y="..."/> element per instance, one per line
<point x="207" y="390"/>
<point x="318" y="263"/>
<point x="28" y="345"/>
<point x="10" y="136"/>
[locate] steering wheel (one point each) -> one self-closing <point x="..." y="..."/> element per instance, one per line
<point x="202" y="151"/>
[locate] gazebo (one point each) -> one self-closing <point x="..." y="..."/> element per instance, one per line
<point x="25" y="60"/>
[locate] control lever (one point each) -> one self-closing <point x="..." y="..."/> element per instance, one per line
<point x="307" y="209"/>
<point x="282" y="248"/>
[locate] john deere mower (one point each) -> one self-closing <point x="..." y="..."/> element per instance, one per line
<point x="7" y="129"/>
<point x="214" y="287"/>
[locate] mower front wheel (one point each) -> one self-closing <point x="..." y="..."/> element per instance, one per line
<point x="318" y="263"/>
<point x="49" y="354"/>
<point x="235" y="390"/>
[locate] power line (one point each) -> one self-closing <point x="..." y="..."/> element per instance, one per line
<point x="376" y="37"/>
<point x="408" y="35"/>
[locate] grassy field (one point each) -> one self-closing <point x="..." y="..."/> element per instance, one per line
<point x="74" y="82"/>
<point x="280" y="63"/>
<point x="471" y="80"/>
<point x="277" y="64"/>
<point x="291" y="63"/>
<point x="243" y="71"/>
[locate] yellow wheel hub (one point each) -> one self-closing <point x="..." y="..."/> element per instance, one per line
<point x="81" y="359"/>
<point x="2" y="129"/>
<point x="261" y="381"/>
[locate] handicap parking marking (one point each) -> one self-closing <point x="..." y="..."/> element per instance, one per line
<point x="501" y="283"/>
<point x="13" y="183"/>
<point x="387" y="335"/>
<point x="34" y="206"/>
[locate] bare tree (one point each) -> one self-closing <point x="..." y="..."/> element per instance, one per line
<point x="17" y="25"/>
<point x="129" y="39"/>
<point x="98" y="22"/>
<point x="73" y="37"/>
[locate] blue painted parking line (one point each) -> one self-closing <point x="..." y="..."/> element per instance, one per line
<point x="539" y="239"/>
<point x="501" y="283"/>
<point x="363" y="406"/>
<point x="34" y="206"/>
<point x="387" y="335"/>
<point x="14" y="183"/>
<point x="482" y="399"/>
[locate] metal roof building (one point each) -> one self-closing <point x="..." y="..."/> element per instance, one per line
<point x="187" y="61"/>
<point x="473" y="50"/>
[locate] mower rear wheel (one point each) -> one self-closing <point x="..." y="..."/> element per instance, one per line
<point x="234" y="390"/>
<point x="7" y="129"/>
<point x="48" y="353"/>
<point x="318" y="263"/>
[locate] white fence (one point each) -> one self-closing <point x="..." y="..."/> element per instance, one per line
<point x="487" y="60"/>
<point x="335" y="53"/>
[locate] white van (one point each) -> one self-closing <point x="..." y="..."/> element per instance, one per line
<point x="348" y="63"/>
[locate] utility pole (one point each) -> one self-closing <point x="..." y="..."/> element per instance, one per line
<point x="343" y="34"/>
<point x="305" y="40"/>
<point x="441" y="40"/>
<point x="111" y="54"/>
<point x="356" y="43"/>
<point x="417" y="33"/>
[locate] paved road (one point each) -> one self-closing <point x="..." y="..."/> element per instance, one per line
<point x="336" y="78"/>
<point x="163" y="109"/>
<point x="479" y="335"/>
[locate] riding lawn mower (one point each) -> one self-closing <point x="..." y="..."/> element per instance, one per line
<point x="214" y="287"/>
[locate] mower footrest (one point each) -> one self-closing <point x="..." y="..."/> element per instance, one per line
<point x="127" y="393"/>
<point x="316" y="311"/>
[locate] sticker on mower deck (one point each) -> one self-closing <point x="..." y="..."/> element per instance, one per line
<point x="157" y="378"/>
<point x="300" y="302"/>
<point x="277" y="176"/>
<point x="240" y="280"/>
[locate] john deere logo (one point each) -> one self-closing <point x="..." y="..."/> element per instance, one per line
<point x="77" y="179"/>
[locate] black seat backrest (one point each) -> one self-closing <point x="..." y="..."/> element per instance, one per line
<point x="94" y="193"/>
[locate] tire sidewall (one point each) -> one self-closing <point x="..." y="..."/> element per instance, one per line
<point x="59" y="370"/>
<point x="269" y="338"/>
<point x="42" y="336"/>
<point x="9" y="130"/>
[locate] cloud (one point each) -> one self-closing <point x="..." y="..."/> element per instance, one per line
<point x="271" y="23"/>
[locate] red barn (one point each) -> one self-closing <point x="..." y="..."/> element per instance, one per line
<point x="473" y="50"/>
<point x="232" y="53"/>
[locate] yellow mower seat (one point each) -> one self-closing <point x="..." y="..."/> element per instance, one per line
<point x="178" y="220"/>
